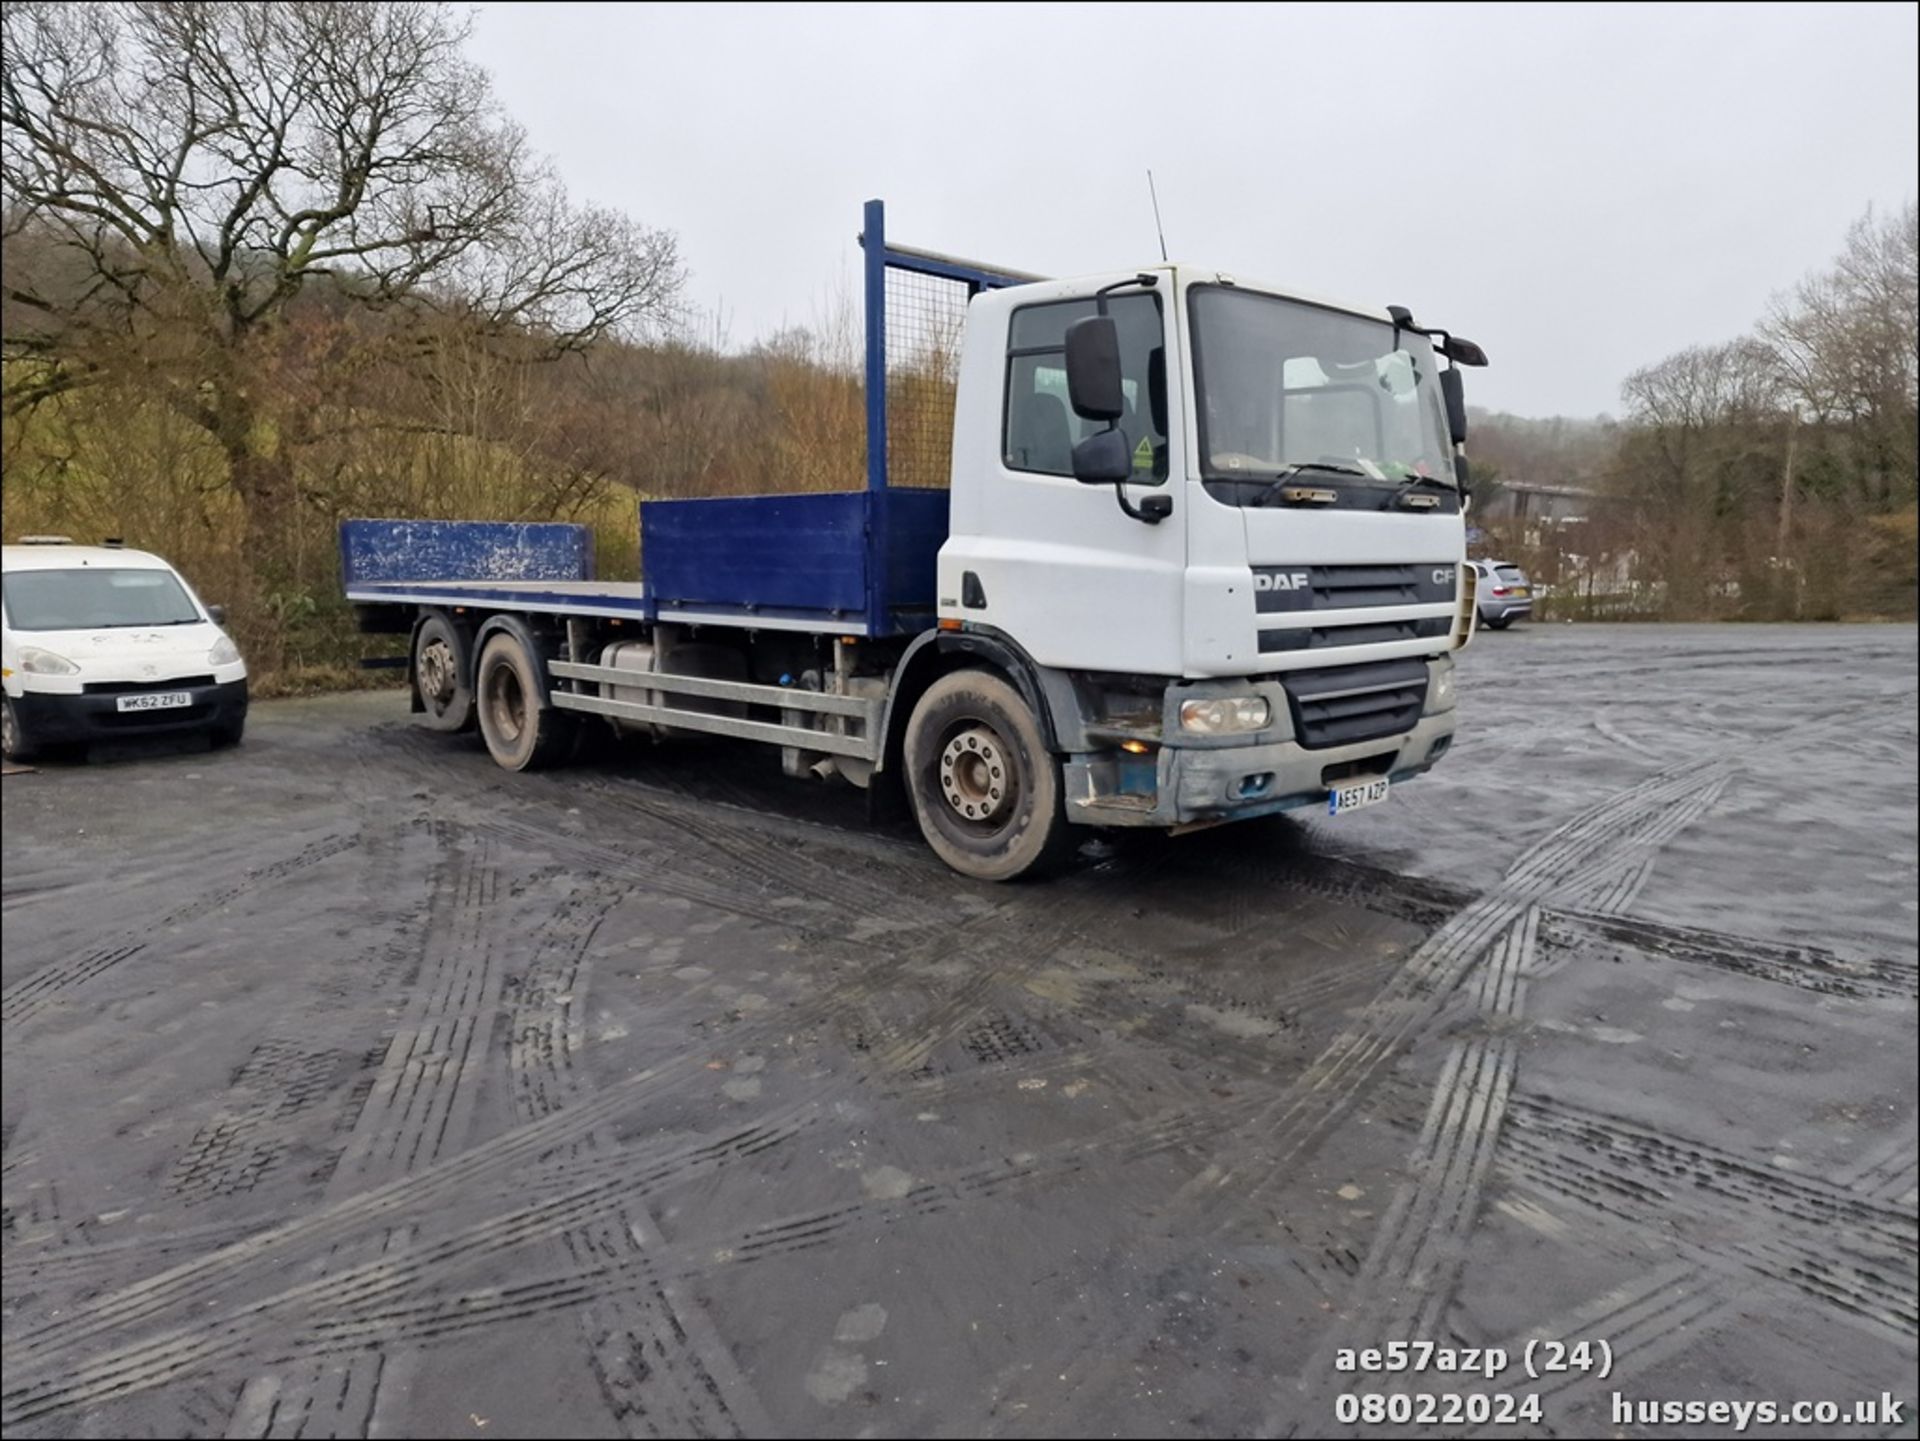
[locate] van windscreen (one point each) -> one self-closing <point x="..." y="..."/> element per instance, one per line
<point x="90" y="598"/>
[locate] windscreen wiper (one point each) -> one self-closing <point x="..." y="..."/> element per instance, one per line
<point x="1404" y="493"/>
<point x="1277" y="486"/>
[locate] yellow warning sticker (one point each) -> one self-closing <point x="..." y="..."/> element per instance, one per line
<point x="1143" y="454"/>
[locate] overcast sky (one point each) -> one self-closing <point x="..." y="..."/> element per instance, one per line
<point x="1582" y="190"/>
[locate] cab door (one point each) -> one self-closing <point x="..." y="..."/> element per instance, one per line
<point x="1055" y="564"/>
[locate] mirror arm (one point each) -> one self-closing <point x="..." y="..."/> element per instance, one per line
<point x="1147" y="512"/>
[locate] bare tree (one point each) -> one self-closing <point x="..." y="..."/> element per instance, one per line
<point x="1847" y="343"/>
<point x="176" y="177"/>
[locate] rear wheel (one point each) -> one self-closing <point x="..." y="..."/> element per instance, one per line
<point x="1500" y="624"/>
<point x="523" y="731"/>
<point x="440" y="673"/>
<point x="985" y="789"/>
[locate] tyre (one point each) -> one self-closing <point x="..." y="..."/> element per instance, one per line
<point x="986" y="791"/>
<point x="13" y="740"/>
<point x="440" y="674"/>
<point x="522" y="730"/>
<point x="1500" y="624"/>
<point x="229" y="734"/>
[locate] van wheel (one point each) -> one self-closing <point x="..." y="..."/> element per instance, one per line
<point x="440" y="671"/>
<point x="523" y="731"/>
<point x="985" y="789"/>
<point x="223" y="736"/>
<point x="13" y="741"/>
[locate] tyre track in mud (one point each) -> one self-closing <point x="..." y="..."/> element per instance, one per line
<point x="422" y="1099"/>
<point x="1423" y="987"/>
<point x="389" y="1203"/>
<point x="50" y="1379"/>
<point x="333" y="1224"/>
<point x="54" y="984"/>
<point x="1406" y="1288"/>
<point x="1858" y="1257"/>
<point x="415" y="1102"/>
<point x="418" y="1108"/>
<point x="1007" y="945"/>
<point x="302" y="1084"/>
<point x="1809" y="968"/>
<point x="139" y="1366"/>
<point x="382" y="1302"/>
<point x="763" y="849"/>
<point x="1465" y="1111"/>
<point x="661" y="1366"/>
<point x="1411" y="1272"/>
<point x="1888" y="1173"/>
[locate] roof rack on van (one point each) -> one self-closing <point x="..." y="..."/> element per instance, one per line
<point x="46" y="540"/>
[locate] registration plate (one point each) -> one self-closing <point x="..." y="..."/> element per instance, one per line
<point x="155" y="700"/>
<point x="1361" y="793"/>
<point x="1520" y="590"/>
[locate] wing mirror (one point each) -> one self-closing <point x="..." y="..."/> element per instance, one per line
<point x="1102" y="458"/>
<point x="1451" y="388"/>
<point x="217" y="614"/>
<point x="1093" y="369"/>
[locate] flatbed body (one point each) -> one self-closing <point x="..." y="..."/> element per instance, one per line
<point x="856" y="563"/>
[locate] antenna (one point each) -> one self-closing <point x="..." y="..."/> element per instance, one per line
<point x="1158" y="228"/>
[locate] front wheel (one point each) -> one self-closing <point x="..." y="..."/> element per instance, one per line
<point x="985" y="789"/>
<point x="13" y="740"/>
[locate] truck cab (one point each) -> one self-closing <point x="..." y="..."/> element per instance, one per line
<point x="1265" y="591"/>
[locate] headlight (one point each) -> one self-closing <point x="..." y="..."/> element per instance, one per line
<point x="1225" y="717"/>
<point x="224" y="652"/>
<point x="35" y="661"/>
<point x="1442" y="688"/>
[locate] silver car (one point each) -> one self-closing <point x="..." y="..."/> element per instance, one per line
<point x="1503" y="593"/>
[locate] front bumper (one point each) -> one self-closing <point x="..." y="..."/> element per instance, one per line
<point x="1181" y="785"/>
<point x="50" y="719"/>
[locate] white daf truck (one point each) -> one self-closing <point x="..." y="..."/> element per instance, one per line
<point x="1200" y="558"/>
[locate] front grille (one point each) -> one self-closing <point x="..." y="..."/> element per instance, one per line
<point x="134" y="687"/>
<point x="1373" y="765"/>
<point x="1279" y="589"/>
<point x="1356" y="702"/>
<point x="1368" y="633"/>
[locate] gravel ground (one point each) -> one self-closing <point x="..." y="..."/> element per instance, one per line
<point x="355" y="1087"/>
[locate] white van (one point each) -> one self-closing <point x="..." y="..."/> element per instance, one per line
<point x="102" y="642"/>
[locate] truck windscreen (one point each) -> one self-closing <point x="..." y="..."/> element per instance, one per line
<point x="1290" y="388"/>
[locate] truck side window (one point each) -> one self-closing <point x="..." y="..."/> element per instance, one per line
<point x="1041" y="430"/>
